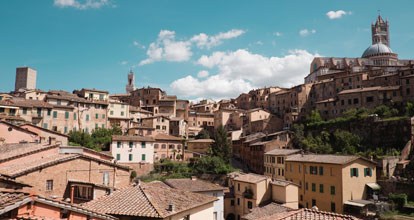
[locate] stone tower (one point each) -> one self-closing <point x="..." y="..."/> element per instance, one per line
<point x="380" y="31"/>
<point x="25" y="78"/>
<point x="131" y="82"/>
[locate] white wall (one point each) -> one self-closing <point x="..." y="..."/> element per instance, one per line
<point x="137" y="151"/>
<point x="219" y="204"/>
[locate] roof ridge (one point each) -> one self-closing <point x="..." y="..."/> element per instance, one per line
<point x="156" y="208"/>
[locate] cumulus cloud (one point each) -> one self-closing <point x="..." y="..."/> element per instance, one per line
<point x="203" y="74"/>
<point x="305" y="32"/>
<point x="240" y="71"/>
<point x="82" y="5"/>
<point x="167" y="48"/>
<point x="202" y="40"/>
<point x="337" y="14"/>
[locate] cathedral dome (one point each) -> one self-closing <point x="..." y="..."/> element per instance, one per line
<point x="376" y="49"/>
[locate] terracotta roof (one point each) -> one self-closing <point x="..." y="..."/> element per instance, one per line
<point x="10" y="200"/>
<point x="26" y="103"/>
<point x="251" y="178"/>
<point x="43" y="129"/>
<point x="12" y="151"/>
<point x="193" y="185"/>
<point x="148" y="200"/>
<point x="280" y="182"/>
<point x="28" y="165"/>
<point x="265" y="211"/>
<point x="167" y="137"/>
<point x="131" y="138"/>
<point x="308" y="214"/>
<point x="322" y="158"/>
<point x="201" y="141"/>
<point x="14" y="182"/>
<point x="18" y="128"/>
<point x="282" y="152"/>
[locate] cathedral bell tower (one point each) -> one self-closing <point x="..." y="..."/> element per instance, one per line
<point x="380" y="32"/>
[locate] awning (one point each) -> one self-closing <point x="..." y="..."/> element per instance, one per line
<point x="354" y="204"/>
<point x="374" y="186"/>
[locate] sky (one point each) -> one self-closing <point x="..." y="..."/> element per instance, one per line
<point x="190" y="48"/>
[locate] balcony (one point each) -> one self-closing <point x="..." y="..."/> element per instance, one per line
<point x="248" y="194"/>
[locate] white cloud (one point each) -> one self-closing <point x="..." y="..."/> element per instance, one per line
<point x="203" y="74"/>
<point x="202" y="40"/>
<point x="305" y="32"/>
<point x="138" y="44"/>
<point x="277" y="34"/>
<point x="82" y="5"/>
<point x="240" y="71"/>
<point x="124" y="62"/>
<point x="167" y="48"/>
<point x="337" y="14"/>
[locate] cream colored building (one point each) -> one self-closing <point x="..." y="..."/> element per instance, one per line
<point x="119" y="115"/>
<point x="274" y="162"/>
<point x="330" y="181"/>
<point x="132" y="149"/>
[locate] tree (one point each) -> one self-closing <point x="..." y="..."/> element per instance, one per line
<point x="314" y="117"/>
<point x="81" y="138"/>
<point x="203" y="134"/>
<point x="210" y="165"/>
<point x="298" y="135"/>
<point x="319" y="144"/>
<point x="346" y="142"/>
<point x="409" y="109"/>
<point x="222" y="146"/>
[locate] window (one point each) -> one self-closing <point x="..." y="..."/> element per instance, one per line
<point x="232" y="202"/>
<point x="45" y="125"/>
<point x="143" y="157"/>
<point x="131" y="144"/>
<point x="24" y="111"/>
<point x="49" y="185"/>
<point x="155" y="146"/>
<point x="367" y="172"/>
<point x="118" y="144"/>
<point x="143" y="144"/>
<point x="370" y="99"/>
<point x="83" y="192"/>
<point x="354" y="172"/>
<point x="103" y="116"/>
<point x="122" y="113"/>
<point x="163" y="146"/>
<point x="65" y="130"/>
<point x="333" y="207"/>
<point x="74" y="116"/>
<point x="407" y="91"/>
<point x="130" y="157"/>
<point x="238" y="201"/>
<point x="96" y="115"/>
<point x="332" y="190"/>
<point x="249" y="205"/>
<point x="87" y="117"/>
<point x="59" y="102"/>
<point x="313" y="187"/>
<point x="118" y="156"/>
<point x="49" y="111"/>
<point x="321" y="188"/>
<point x="321" y="171"/>
<point x="54" y="114"/>
<point x="313" y="170"/>
<point x="105" y="178"/>
<point x="306" y="186"/>
<point x="111" y="112"/>
<point x="215" y="215"/>
<point x="157" y="127"/>
<point x="96" y="125"/>
<point x="238" y="186"/>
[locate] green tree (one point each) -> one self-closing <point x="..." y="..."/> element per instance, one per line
<point x="385" y="111"/>
<point x="319" y="144"/>
<point x="101" y="137"/>
<point x="222" y="145"/>
<point x="346" y="142"/>
<point x="409" y="109"/>
<point x="298" y="135"/>
<point x="203" y="134"/>
<point x="210" y="165"/>
<point x="314" y="117"/>
<point x="81" y="138"/>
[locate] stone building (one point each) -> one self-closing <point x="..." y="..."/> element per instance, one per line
<point x="25" y="78"/>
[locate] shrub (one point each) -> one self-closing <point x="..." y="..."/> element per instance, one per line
<point x="400" y="200"/>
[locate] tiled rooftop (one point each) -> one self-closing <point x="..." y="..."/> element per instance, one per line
<point x="148" y="200"/>
<point x="266" y="211"/>
<point x="193" y="185"/>
<point x="308" y="214"/>
<point x="322" y="158"/>
<point x="10" y="151"/>
<point x="167" y="137"/>
<point x="131" y="138"/>
<point x="251" y="178"/>
<point x="201" y="141"/>
<point x="282" y="152"/>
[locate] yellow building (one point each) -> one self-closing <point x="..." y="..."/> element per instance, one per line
<point x="331" y="181"/>
<point x="274" y="162"/>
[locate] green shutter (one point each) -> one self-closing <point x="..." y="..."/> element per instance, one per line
<point x="118" y="157"/>
<point x="66" y="115"/>
<point x="356" y="173"/>
<point x="143" y="157"/>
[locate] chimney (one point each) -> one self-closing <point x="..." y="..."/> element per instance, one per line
<point x="171" y="207"/>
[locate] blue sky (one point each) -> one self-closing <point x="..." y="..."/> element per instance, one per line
<point x="210" y="49"/>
